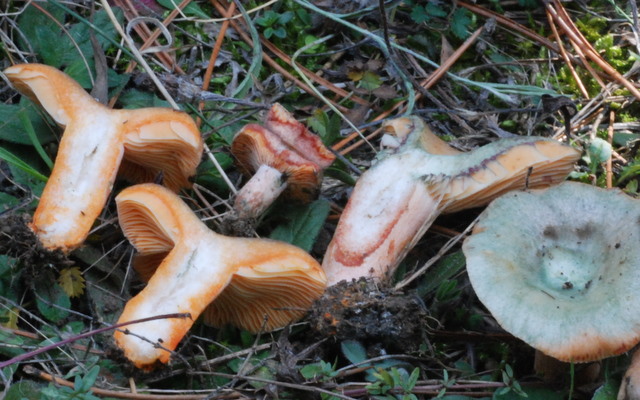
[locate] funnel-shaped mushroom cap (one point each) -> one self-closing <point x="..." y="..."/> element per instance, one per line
<point x="152" y="140"/>
<point x="243" y="281"/>
<point x="397" y="199"/>
<point x="479" y="176"/>
<point x="555" y="269"/>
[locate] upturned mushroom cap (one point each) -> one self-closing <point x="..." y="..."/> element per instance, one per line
<point x="283" y="145"/>
<point x="477" y="177"/>
<point x="297" y="137"/>
<point x="397" y="199"/>
<point x="252" y="283"/>
<point x="91" y="150"/>
<point x="555" y="269"/>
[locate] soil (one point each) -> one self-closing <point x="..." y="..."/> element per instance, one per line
<point x="362" y="311"/>
<point x="18" y="240"/>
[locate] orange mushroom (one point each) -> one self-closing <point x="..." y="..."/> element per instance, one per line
<point x="251" y="283"/>
<point x="95" y="140"/>
<point x="397" y="199"/>
<point x="282" y="156"/>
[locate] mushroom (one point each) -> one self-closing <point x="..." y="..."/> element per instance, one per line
<point x="555" y="269"/>
<point x="630" y="385"/>
<point x="397" y="199"/>
<point x="254" y="284"/>
<point x="283" y="156"/>
<point x="95" y="140"/>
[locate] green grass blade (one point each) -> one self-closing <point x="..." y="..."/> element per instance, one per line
<point x="9" y="157"/>
<point x="28" y="127"/>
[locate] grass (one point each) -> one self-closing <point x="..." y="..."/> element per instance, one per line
<point x="473" y="71"/>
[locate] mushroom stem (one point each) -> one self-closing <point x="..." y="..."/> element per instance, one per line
<point x="92" y="147"/>
<point x="203" y="270"/>
<point x="397" y="199"/>
<point x="260" y="192"/>
<point x="630" y="385"/>
<point x="387" y="212"/>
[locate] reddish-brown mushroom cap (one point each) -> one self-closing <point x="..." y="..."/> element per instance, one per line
<point x="283" y="157"/>
<point x="91" y="150"/>
<point x="297" y="137"/>
<point x="254" y="284"/>
<point x="254" y="146"/>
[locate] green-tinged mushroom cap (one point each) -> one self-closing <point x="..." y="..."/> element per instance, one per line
<point x="557" y="270"/>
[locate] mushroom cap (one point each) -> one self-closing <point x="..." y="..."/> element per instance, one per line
<point x="412" y="129"/>
<point x="97" y="143"/>
<point x="255" y="145"/>
<point x="556" y="270"/>
<point x="475" y="178"/>
<point x="160" y="140"/>
<point x="155" y="139"/>
<point x="506" y="165"/>
<point x="273" y="286"/>
<point x="51" y="89"/>
<point x="296" y="136"/>
<point x="268" y="277"/>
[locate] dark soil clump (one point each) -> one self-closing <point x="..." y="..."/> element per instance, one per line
<point x="362" y="311"/>
<point x="17" y="240"/>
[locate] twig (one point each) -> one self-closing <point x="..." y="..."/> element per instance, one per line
<point x="268" y="59"/>
<point x="452" y="242"/>
<point x="426" y="84"/>
<point x="214" y="54"/>
<point x="302" y="387"/>
<point x="26" y="356"/>
<point x="513" y="26"/>
<point x="561" y="17"/>
<point x="566" y="57"/>
<point x="28" y="369"/>
<point x="161" y="87"/>
<point x="608" y="165"/>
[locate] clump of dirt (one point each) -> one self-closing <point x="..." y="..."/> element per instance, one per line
<point x="18" y="241"/>
<point x="361" y="311"/>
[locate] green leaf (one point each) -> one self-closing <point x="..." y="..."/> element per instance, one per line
<point x="134" y="98"/>
<point x="460" y="22"/>
<point x="7" y="201"/>
<point x="24" y="389"/>
<point x="57" y="47"/>
<point x="435" y="10"/>
<point x="419" y="15"/>
<point x="207" y="175"/>
<point x="12" y="344"/>
<point x="608" y="391"/>
<point x="12" y="128"/>
<point x="52" y="301"/>
<point x="280" y="32"/>
<point x="531" y="394"/>
<point x="89" y="379"/>
<point x="353" y="350"/>
<point x="285" y="17"/>
<point x="370" y="81"/>
<point x="445" y="269"/>
<point x="303" y="224"/>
